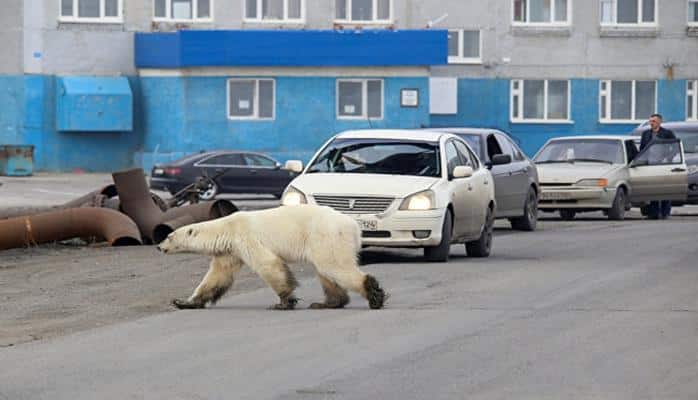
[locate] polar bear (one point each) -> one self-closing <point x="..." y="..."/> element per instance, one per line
<point x="266" y="241"/>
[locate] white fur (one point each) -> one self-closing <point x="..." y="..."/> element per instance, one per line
<point x="267" y="240"/>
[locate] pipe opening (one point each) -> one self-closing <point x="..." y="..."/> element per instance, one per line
<point x="126" y="241"/>
<point x="161" y="232"/>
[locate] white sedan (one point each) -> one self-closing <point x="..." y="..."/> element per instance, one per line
<point x="404" y="188"/>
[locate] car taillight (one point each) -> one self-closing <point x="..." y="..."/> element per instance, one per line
<point x="173" y="171"/>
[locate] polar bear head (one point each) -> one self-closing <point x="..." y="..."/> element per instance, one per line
<point x="210" y="238"/>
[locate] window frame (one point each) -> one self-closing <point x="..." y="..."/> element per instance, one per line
<point x="688" y="8"/>
<point x="255" y="116"/>
<point x="521" y="95"/>
<point x="195" y="10"/>
<point x="692" y="93"/>
<point x="639" y="23"/>
<point x="91" y="20"/>
<point x="566" y="23"/>
<point x="286" y="20"/>
<point x="375" y="21"/>
<point x="608" y="93"/>
<point x="459" y="59"/>
<point x="364" y="99"/>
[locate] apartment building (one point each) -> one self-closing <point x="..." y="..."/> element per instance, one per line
<point x="108" y="84"/>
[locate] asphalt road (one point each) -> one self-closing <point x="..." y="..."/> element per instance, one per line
<point x="579" y="310"/>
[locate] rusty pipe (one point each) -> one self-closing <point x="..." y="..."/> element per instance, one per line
<point x="117" y="228"/>
<point x="180" y="216"/>
<point x="93" y="199"/>
<point x="136" y="201"/>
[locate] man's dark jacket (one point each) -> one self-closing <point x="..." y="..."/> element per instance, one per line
<point x="648" y="136"/>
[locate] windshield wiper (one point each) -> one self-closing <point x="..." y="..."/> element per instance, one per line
<point x="552" y="162"/>
<point x="589" y="160"/>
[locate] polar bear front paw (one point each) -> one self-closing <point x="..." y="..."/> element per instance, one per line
<point x="186" y="304"/>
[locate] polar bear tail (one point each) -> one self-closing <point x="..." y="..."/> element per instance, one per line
<point x="375" y="295"/>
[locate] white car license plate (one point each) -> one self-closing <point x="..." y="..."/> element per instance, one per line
<point x="158" y="171"/>
<point x="555" y="196"/>
<point x="367" y="225"/>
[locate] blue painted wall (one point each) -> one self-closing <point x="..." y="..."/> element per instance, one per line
<point x="207" y="48"/>
<point x="486" y="103"/>
<point x="185" y="115"/>
<point x="28" y="107"/>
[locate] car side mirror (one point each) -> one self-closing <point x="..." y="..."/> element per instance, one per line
<point x="294" y="166"/>
<point x="639" y="163"/>
<point x="462" y="171"/>
<point x="501" y="159"/>
<point x="277" y="165"/>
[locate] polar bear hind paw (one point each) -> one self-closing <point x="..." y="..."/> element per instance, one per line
<point x="287" y="303"/>
<point x="375" y="295"/>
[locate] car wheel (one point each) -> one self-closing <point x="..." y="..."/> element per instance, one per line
<point x="210" y="192"/>
<point x="529" y="220"/>
<point x="617" y="211"/>
<point x="440" y="253"/>
<point x="567" y="215"/>
<point x="482" y="246"/>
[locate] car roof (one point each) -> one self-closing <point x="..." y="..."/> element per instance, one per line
<point x="591" y="137"/>
<point x="398" y="134"/>
<point x="467" y="131"/>
<point x="195" y="157"/>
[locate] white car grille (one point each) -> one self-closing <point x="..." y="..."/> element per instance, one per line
<point x="355" y="205"/>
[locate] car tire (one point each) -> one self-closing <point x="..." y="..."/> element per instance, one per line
<point x="441" y="252"/>
<point x="210" y="192"/>
<point x="567" y="215"/>
<point x="617" y="210"/>
<point x="529" y="220"/>
<point x="483" y="246"/>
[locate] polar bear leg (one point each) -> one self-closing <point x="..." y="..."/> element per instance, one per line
<point x="277" y="275"/>
<point x="344" y="272"/>
<point x="216" y="282"/>
<point x="335" y="295"/>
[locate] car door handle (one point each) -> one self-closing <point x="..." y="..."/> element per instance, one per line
<point x="678" y="170"/>
<point x="470" y="187"/>
<point x="486" y="182"/>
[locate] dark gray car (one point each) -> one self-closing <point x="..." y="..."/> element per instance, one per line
<point x="688" y="133"/>
<point x="516" y="182"/>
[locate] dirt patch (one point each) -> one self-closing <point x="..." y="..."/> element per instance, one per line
<point x="54" y="290"/>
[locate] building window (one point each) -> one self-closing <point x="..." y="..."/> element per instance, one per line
<point x="251" y="98"/>
<point x="464" y="47"/>
<point x="627" y="101"/>
<point x="364" y="11"/>
<point x="540" y="100"/>
<point x="275" y="10"/>
<point x="537" y="12"/>
<point x="693" y="12"/>
<point x="182" y="10"/>
<point x="692" y="100"/>
<point x="628" y="12"/>
<point x="360" y="99"/>
<point x="91" y="11"/>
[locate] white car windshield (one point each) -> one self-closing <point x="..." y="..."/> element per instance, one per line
<point x="377" y="156"/>
<point x="581" y="150"/>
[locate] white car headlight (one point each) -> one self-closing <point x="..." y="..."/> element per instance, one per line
<point x="419" y="201"/>
<point x="692" y="169"/>
<point x="293" y="197"/>
<point x="602" y="183"/>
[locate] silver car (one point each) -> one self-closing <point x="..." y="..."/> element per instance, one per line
<point x="591" y="173"/>
<point x="515" y="179"/>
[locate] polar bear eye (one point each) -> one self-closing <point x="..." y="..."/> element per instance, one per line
<point x="189" y="232"/>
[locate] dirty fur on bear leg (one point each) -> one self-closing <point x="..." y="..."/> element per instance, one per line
<point x="335" y="296"/>
<point x="375" y="295"/>
<point x="285" y="290"/>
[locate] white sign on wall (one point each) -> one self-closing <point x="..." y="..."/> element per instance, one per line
<point x="443" y="95"/>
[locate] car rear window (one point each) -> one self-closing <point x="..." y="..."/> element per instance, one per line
<point x="375" y="156"/>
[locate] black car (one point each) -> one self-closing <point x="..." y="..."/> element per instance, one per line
<point x="231" y="172"/>
<point x="688" y="133"/>
<point x="515" y="181"/>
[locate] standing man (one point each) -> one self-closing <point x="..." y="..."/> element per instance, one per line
<point x="657" y="209"/>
